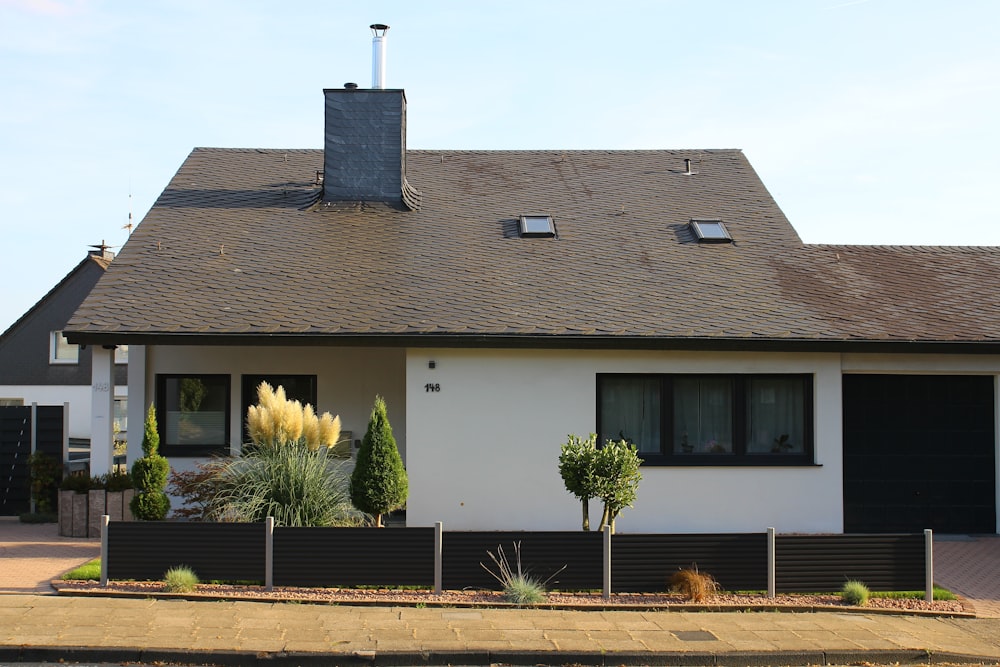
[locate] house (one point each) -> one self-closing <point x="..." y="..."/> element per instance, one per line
<point x="500" y="300"/>
<point x="38" y="364"/>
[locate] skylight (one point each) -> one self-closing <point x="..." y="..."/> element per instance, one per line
<point x="534" y="226"/>
<point x="710" y="231"/>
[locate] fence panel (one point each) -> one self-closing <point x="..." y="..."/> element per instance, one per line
<point x="543" y="553"/>
<point x="144" y="550"/>
<point x="344" y="557"/>
<point x="817" y="563"/>
<point x="645" y="562"/>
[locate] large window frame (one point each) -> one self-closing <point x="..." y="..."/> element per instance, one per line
<point x="168" y="405"/>
<point x="665" y="448"/>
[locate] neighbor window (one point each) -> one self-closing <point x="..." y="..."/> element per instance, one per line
<point x="11" y="402"/>
<point x="61" y="351"/>
<point x="121" y="354"/>
<point x="709" y="419"/>
<point x="193" y="414"/>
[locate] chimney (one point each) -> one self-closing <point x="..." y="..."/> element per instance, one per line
<point x="378" y="54"/>
<point x="364" y="147"/>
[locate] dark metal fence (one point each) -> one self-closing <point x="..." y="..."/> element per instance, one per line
<point x="25" y="429"/>
<point x="345" y="557"/>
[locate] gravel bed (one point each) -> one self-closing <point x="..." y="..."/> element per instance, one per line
<point x="393" y="597"/>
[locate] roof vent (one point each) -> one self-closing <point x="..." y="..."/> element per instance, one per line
<point x="350" y="86"/>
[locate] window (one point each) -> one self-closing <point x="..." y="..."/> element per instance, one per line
<point x="301" y="388"/>
<point x="535" y="226"/>
<point x="61" y="351"/>
<point x="193" y="414"/>
<point x="710" y="231"/>
<point x="121" y="414"/>
<point x="11" y="402"/>
<point x="121" y="354"/>
<point x="709" y="419"/>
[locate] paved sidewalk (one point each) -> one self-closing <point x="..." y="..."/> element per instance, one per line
<point x="34" y="627"/>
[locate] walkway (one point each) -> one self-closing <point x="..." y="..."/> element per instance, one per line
<point x="34" y="554"/>
<point x="970" y="567"/>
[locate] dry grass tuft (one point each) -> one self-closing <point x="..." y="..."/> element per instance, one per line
<point x="693" y="585"/>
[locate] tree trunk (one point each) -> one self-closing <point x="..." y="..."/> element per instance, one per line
<point x="586" y="513"/>
<point x="605" y="519"/>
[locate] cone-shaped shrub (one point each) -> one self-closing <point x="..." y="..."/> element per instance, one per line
<point x="149" y="474"/>
<point x="379" y="483"/>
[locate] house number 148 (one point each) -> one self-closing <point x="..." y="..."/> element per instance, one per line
<point x="432" y="387"/>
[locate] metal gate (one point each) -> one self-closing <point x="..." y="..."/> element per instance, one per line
<point x="20" y="435"/>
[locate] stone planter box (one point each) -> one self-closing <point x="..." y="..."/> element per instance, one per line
<point x="80" y="513"/>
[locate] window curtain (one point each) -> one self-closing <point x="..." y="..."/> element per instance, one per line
<point x="630" y="409"/>
<point x="775" y="414"/>
<point x="703" y="415"/>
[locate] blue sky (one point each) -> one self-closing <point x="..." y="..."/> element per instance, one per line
<point x="870" y="121"/>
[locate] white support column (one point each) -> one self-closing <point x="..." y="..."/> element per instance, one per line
<point x="138" y="400"/>
<point x="102" y="410"/>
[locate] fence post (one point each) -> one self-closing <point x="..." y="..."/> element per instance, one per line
<point x="104" y="549"/>
<point x="438" y="559"/>
<point x="772" y="584"/>
<point x="607" y="562"/>
<point x="928" y="564"/>
<point x="269" y="553"/>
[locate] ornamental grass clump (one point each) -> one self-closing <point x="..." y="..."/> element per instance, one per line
<point x="519" y="587"/>
<point x="276" y="422"/>
<point x="855" y="593"/>
<point x="287" y="472"/>
<point x="694" y="585"/>
<point x="181" y="579"/>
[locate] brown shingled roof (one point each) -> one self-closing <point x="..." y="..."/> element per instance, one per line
<point x="239" y="245"/>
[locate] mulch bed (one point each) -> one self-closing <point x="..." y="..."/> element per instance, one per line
<point x="422" y="598"/>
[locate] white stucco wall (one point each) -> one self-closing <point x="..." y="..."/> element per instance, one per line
<point x="347" y="380"/>
<point x="484" y="449"/>
<point x="78" y="397"/>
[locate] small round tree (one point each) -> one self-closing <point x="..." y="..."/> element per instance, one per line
<point x="149" y="474"/>
<point x="616" y="468"/>
<point x="576" y="466"/>
<point x="379" y="483"/>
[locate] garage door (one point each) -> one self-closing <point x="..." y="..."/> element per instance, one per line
<point x="919" y="453"/>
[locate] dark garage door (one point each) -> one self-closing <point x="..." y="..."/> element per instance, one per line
<point x="919" y="453"/>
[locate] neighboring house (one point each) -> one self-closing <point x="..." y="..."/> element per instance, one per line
<point x="38" y="364"/>
<point x="500" y="300"/>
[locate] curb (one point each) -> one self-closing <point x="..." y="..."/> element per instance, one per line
<point x="519" y="658"/>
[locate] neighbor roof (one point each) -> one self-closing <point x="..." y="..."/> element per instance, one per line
<point x="240" y="247"/>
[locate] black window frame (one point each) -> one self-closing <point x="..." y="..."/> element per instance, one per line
<point x="739" y="457"/>
<point x="195" y="450"/>
<point x="248" y="393"/>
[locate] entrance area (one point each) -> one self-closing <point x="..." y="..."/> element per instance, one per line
<point x="919" y="452"/>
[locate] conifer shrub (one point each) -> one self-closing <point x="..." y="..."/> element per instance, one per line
<point x="149" y="474"/>
<point x="379" y="483"/>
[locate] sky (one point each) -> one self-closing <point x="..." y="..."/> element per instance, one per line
<point x="870" y="121"/>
